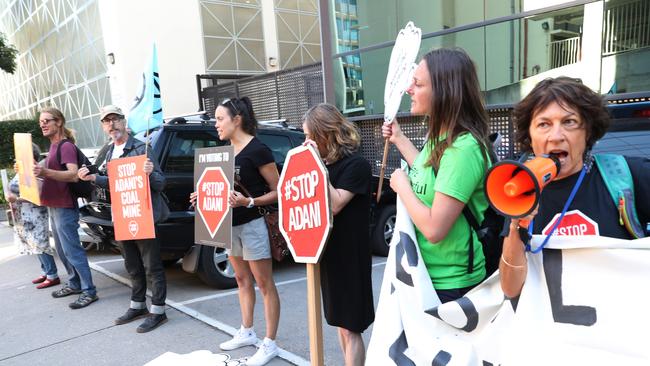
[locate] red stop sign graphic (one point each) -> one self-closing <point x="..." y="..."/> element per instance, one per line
<point x="304" y="204"/>
<point x="574" y="223"/>
<point x="212" y="190"/>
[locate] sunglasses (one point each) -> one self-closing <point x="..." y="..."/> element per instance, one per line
<point x="232" y="103"/>
<point x="46" y="121"/>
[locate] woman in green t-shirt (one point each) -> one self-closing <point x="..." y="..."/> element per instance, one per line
<point x="449" y="171"/>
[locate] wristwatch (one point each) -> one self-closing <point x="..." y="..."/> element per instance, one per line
<point x="251" y="203"/>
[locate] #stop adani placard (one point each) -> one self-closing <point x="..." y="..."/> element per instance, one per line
<point x="213" y="181"/>
<point x="130" y="199"/>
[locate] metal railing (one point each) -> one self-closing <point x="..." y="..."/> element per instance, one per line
<point x="565" y="52"/>
<point x="626" y="27"/>
<point x="285" y="94"/>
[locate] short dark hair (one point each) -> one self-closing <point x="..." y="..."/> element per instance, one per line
<point x="567" y="92"/>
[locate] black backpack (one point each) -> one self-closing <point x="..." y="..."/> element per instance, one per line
<point x="491" y="231"/>
<point x="490" y="234"/>
<point x="79" y="189"/>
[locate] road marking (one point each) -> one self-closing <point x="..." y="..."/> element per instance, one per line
<point x="286" y="355"/>
<point x="234" y="292"/>
<point x="109" y="261"/>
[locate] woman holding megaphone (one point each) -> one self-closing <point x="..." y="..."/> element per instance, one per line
<point x="448" y="173"/>
<point x="563" y="118"/>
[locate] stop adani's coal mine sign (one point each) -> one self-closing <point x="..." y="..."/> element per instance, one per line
<point x="130" y="199"/>
<point x="213" y="181"/>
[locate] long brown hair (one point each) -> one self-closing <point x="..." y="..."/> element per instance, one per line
<point x="331" y="131"/>
<point x="67" y="133"/>
<point x="456" y="103"/>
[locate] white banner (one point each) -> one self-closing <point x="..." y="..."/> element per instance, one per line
<point x="584" y="304"/>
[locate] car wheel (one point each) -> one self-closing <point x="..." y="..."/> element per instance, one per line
<point x="383" y="231"/>
<point x="214" y="268"/>
<point x="169" y="262"/>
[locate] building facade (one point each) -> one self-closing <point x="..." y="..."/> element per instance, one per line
<point x="78" y="55"/>
<point x="514" y="44"/>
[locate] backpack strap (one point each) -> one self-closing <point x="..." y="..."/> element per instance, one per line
<point x="618" y="179"/>
<point x="473" y="227"/>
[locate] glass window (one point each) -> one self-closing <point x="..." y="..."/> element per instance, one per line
<point x="180" y="158"/>
<point x="279" y="145"/>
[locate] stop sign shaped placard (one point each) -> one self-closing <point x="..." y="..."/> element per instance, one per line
<point x="212" y="190"/>
<point x="304" y="204"/>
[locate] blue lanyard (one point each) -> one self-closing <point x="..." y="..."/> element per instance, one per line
<point x="557" y="223"/>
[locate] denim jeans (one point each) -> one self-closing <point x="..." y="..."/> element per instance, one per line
<point x="48" y="266"/>
<point x="142" y="260"/>
<point x="65" y="223"/>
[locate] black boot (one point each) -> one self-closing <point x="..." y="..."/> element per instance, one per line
<point x="151" y="323"/>
<point x="131" y="315"/>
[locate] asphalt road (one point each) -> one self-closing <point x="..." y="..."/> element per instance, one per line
<point x="37" y="329"/>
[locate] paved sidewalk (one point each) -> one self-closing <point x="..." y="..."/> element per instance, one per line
<point x="37" y="329"/>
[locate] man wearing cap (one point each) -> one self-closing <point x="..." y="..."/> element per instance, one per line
<point x="140" y="256"/>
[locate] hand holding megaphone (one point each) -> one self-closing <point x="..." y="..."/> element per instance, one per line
<point x="513" y="188"/>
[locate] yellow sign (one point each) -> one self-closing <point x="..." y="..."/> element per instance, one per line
<point x="25" y="159"/>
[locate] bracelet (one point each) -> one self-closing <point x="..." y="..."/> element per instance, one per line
<point x="512" y="265"/>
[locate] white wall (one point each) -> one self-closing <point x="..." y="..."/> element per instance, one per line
<point x="538" y="4"/>
<point x="131" y="27"/>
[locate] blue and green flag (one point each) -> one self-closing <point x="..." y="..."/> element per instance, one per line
<point x="146" y="113"/>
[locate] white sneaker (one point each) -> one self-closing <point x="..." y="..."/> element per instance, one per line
<point x="264" y="354"/>
<point x="242" y="338"/>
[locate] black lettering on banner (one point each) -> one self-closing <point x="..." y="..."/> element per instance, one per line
<point x="485" y="363"/>
<point x="441" y="359"/>
<point x="468" y="308"/>
<point x="514" y="302"/>
<point x="392" y="288"/>
<point x="568" y="314"/>
<point x="405" y="245"/>
<point x="470" y="312"/>
<point x="396" y="351"/>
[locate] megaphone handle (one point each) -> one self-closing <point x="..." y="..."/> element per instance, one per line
<point x="382" y="170"/>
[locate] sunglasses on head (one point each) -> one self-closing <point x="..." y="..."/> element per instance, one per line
<point x="232" y="103"/>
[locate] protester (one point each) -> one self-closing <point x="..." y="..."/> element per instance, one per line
<point x="141" y="257"/>
<point x="564" y="117"/>
<point x="449" y="171"/>
<point x="63" y="210"/>
<point x="250" y="255"/>
<point x="30" y="224"/>
<point x="346" y="262"/>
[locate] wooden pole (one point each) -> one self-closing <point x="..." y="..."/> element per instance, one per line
<point x="382" y="170"/>
<point x="314" y="315"/>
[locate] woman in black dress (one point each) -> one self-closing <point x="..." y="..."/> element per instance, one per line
<point x="346" y="262"/>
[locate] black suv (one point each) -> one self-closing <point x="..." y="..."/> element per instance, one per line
<point x="173" y="144"/>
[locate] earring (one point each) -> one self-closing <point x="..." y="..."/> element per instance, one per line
<point x="588" y="160"/>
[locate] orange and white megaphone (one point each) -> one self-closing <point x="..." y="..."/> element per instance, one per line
<point x="513" y="188"/>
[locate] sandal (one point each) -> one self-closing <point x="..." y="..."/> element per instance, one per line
<point x="83" y="301"/>
<point x="65" y="291"/>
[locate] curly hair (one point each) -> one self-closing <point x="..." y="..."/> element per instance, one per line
<point x="331" y="131"/>
<point x="567" y="92"/>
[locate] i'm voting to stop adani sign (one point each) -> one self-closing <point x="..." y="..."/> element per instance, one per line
<point x="130" y="199"/>
<point x="213" y="175"/>
<point x="304" y="204"/>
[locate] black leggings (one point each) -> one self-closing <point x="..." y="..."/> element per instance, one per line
<point x="452" y="294"/>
